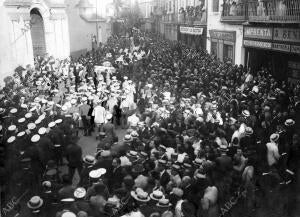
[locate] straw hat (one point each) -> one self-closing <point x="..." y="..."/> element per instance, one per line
<point x="79" y="193"/>
<point x="35" y="202"/>
<point x="157" y="195"/>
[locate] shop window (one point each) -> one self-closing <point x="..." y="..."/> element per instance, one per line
<point x="214" y="48"/>
<point x="215" y="4"/>
<point x="228" y="53"/>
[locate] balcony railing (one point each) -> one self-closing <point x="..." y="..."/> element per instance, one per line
<point x="274" y="11"/>
<point x="234" y="12"/>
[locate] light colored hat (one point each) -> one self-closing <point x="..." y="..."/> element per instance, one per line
<point x="20" y="134"/>
<point x="35" y="202"/>
<point x="157" y="195"/>
<point x="274" y="137"/>
<point x="31" y="126"/>
<point x="35" y="138"/>
<point x="38" y="121"/>
<point x="64" y="108"/>
<point x="11" y="139"/>
<point x="140" y="195"/>
<point x="21" y="120"/>
<point x="28" y="115"/>
<point x="109" y="116"/>
<point x="79" y="193"/>
<point x="164" y="203"/>
<point x="13" y="110"/>
<point x="58" y="121"/>
<point x="51" y="124"/>
<point x="12" y="128"/>
<point x="246" y="113"/>
<point x="24" y="106"/>
<point x="68" y="214"/>
<point x="73" y="101"/>
<point x="95" y="174"/>
<point x="289" y="122"/>
<point x="42" y="131"/>
<point x="89" y="159"/>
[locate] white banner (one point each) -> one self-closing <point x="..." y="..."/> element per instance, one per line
<point x="191" y="30"/>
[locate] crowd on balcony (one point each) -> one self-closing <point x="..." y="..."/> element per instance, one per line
<point x="261" y="8"/>
<point x="192" y="13"/>
<point x="202" y="135"/>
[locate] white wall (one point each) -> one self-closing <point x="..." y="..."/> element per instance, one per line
<point x="81" y="31"/>
<point x="213" y="22"/>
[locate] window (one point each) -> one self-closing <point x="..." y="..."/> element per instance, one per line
<point x="215" y="5"/>
<point x="214" y="48"/>
<point x="228" y="53"/>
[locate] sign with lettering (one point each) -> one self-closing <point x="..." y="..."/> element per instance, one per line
<point x="285" y="34"/>
<point x="258" y="32"/>
<point x="281" y="47"/>
<point x="223" y="35"/>
<point x="295" y="49"/>
<point x="191" y="30"/>
<point x="294" y="65"/>
<point x="258" y="44"/>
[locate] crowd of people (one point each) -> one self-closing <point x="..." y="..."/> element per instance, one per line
<point x="199" y="134"/>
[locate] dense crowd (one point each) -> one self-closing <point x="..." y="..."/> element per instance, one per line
<point x="199" y="134"/>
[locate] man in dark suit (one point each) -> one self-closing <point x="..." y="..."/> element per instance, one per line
<point x="117" y="174"/>
<point x="74" y="153"/>
<point x="164" y="174"/>
<point x="109" y="128"/>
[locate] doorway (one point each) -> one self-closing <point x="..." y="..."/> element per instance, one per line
<point x="37" y="33"/>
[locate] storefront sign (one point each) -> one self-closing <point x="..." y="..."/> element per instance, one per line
<point x="258" y="44"/>
<point x="261" y="33"/>
<point x="281" y="47"/>
<point x="295" y="49"/>
<point x="223" y="35"/>
<point x="191" y="30"/>
<point x="284" y="34"/>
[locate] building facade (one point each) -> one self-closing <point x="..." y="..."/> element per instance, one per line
<point x="29" y="28"/>
<point x="225" y="32"/>
<point x="256" y="34"/>
<point x="272" y="38"/>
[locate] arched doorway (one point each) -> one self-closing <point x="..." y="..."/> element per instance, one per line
<point x="37" y="33"/>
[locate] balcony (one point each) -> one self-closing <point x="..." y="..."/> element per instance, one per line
<point x="234" y="12"/>
<point x="192" y="16"/>
<point x="274" y="11"/>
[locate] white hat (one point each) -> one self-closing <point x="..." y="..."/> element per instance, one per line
<point x="13" y="110"/>
<point x="21" y="120"/>
<point x="64" y="108"/>
<point x="68" y="214"/>
<point x="95" y="174"/>
<point x="73" y="101"/>
<point x="11" y="139"/>
<point x="84" y="99"/>
<point x="28" y="115"/>
<point x="24" y="106"/>
<point x="44" y="101"/>
<point x="109" y="116"/>
<point x="38" y="121"/>
<point x="58" y="121"/>
<point x="35" y="138"/>
<point x="42" y="130"/>
<point x="12" y="127"/>
<point x="79" y="193"/>
<point x="51" y="124"/>
<point x="20" y="134"/>
<point x="125" y="77"/>
<point x="31" y="126"/>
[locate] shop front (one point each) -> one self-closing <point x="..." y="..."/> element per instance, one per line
<point x="274" y="48"/>
<point x="193" y="36"/>
<point x="223" y="44"/>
